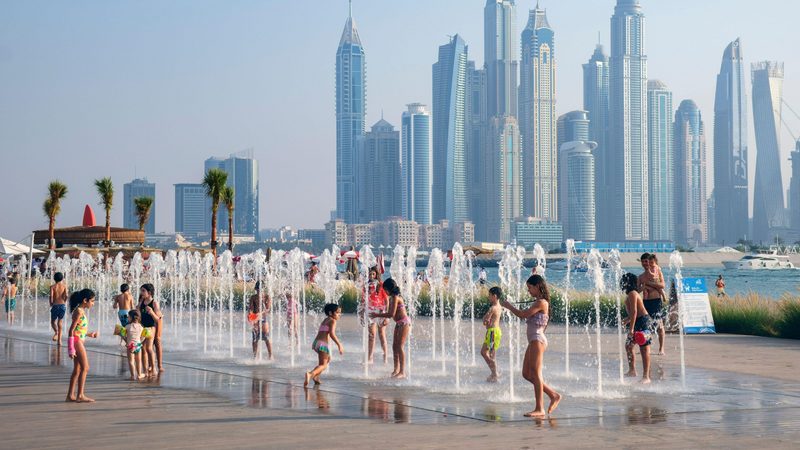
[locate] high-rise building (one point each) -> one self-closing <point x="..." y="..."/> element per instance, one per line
<point x="690" y="175"/>
<point x="378" y="182"/>
<point x="627" y="161"/>
<point x="537" y="118"/>
<point x="500" y="53"/>
<point x="351" y="105"/>
<point x="576" y="189"/>
<point x="768" y="205"/>
<point x="417" y="164"/>
<point x="192" y="211"/>
<point x="794" y="190"/>
<point x="476" y="127"/>
<point x="139" y="187"/>
<point x="449" y="124"/>
<point x="731" y="197"/>
<point x="242" y="170"/>
<point x="661" y="164"/>
<point x="505" y="178"/>
<point x="595" y="102"/>
<point x="573" y="126"/>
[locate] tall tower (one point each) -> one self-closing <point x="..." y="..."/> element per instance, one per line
<point x="768" y="206"/>
<point x="794" y="190"/>
<point x="139" y="187"/>
<point x="627" y="158"/>
<point x="379" y="183"/>
<point x="500" y="54"/>
<point x="731" y="197"/>
<point x="577" y="190"/>
<point x="537" y="118"/>
<point x="505" y="178"/>
<point x="449" y="102"/>
<point x="690" y="187"/>
<point x="595" y="102"/>
<point x="417" y="164"/>
<point x="661" y="165"/>
<point x="476" y="127"/>
<point x="351" y="103"/>
<point x="242" y="170"/>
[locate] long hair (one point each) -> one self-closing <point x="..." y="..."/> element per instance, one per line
<point x="538" y="280"/>
<point x="391" y="287"/>
<point x="78" y="297"/>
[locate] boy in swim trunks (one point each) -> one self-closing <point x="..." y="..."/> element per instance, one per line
<point x="637" y="321"/>
<point x="491" y="320"/>
<point x="259" y="305"/>
<point x="124" y="303"/>
<point x="651" y="285"/>
<point x="58" y="305"/>
<point x="10" y="295"/>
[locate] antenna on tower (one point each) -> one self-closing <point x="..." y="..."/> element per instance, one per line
<point x="350" y="10"/>
<point x="598" y="37"/>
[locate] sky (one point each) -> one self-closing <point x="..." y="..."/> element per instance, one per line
<point x="151" y="89"/>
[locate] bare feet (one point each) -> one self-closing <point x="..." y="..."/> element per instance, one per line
<point x="645" y="381"/>
<point x="307" y="379"/>
<point x="142" y="376"/>
<point x="55" y="338"/>
<point x="132" y="378"/>
<point x="492" y="379"/>
<point x="160" y="368"/>
<point x="85" y="399"/>
<point x="535" y="413"/>
<point x="385" y="360"/>
<point x="70" y="399"/>
<point x="393" y="375"/>
<point x="400" y="376"/>
<point x="630" y="373"/>
<point x="661" y="352"/>
<point x="316" y="381"/>
<point x="554" y="401"/>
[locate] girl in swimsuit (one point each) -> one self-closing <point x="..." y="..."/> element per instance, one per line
<point x="377" y="300"/>
<point x="326" y="329"/>
<point x="396" y="311"/>
<point x="79" y="302"/>
<point x="537" y="318"/>
<point x="151" y="315"/>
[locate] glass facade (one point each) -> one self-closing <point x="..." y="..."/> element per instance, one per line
<point x="417" y="164"/>
<point x="691" y="209"/>
<point x="139" y="187"/>
<point x="192" y="213"/>
<point x="661" y="167"/>
<point x="595" y="102"/>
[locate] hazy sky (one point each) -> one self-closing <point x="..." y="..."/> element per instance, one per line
<point x="151" y="88"/>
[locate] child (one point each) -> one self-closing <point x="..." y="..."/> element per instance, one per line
<point x="124" y="303"/>
<point x="377" y="300"/>
<point x="133" y="339"/>
<point x="10" y="294"/>
<point x="258" y="307"/>
<point x="79" y="302"/>
<point x="402" y="326"/>
<point x="491" y="320"/>
<point x="326" y="329"/>
<point x="652" y="285"/>
<point x="638" y="321"/>
<point x="58" y="305"/>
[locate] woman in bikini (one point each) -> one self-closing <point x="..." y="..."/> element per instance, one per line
<point x="537" y="317"/>
<point x="326" y="329"/>
<point x="396" y="311"/>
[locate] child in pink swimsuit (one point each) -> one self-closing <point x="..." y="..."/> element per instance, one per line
<point x="326" y="329"/>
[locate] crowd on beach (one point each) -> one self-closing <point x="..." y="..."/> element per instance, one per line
<point x="141" y="325"/>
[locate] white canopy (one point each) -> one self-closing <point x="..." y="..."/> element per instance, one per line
<point x="12" y="248"/>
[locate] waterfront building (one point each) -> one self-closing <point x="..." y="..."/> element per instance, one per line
<point x="475" y="145"/>
<point x="595" y="102"/>
<point x="192" y="211"/>
<point x="351" y="103"/>
<point x="794" y="190"/>
<point x="139" y="187"/>
<point x="661" y="164"/>
<point x="537" y="118"/>
<point x="378" y="184"/>
<point x="417" y="164"/>
<point x="690" y="176"/>
<point x="577" y="190"/>
<point x="573" y="126"/>
<point x="530" y="231"/>
<point x="768" y="204"/>
<point x="449" y="126"/>
<point x="731" y="198"/>
<point x="505" y="178"/>
<point x="627" y="163"/>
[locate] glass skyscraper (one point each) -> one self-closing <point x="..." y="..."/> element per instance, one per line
<point x="627" y="161"/>
<point x="378" y="182"/>
<point x="476" y="128"/>
<point x="661" y="164"/>
<point x="351" y="91"/>
<point x="242" y="170"/>
<point x="449" y="123"/>
<point x="768" y="205"/>
<point x="537" y="118"/>
<point x="139" y="187"/>
<point x="192" y="211"/>
<point x="500" y="52"/>
<point x="577" y="190"/>
<point x="417" y="164"/>
<point x="595" y="102"/>
<point x="731" y="197"/>
<point x="505" y="178"/>
<point x="690" y="175"/>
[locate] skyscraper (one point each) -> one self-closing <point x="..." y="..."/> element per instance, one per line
<point x="731" y="197"/>
<point x="537" y="118"/>
<point x="576" y="190"/>
<point x="417" y="164"/>
<point x="449" y="123"/>
<point x="595" y="102"/>
<point x="500" y="53"/>
<point x="573" y="126"/>
<point x="351" y="103"/>
<point x="768" y="206"/>
<point x="192" y="212"/>
<point x="505" y="178"/>
<point x="139" y="187"/>
<point x="627" y="159"/>
<point x="378" y="182"/>
<point x="794" y="190"/>
<point x="661" y="164"/>
<point x="690" y="174"/>
<point x="476" y="127"/>
<point x="242" y="170"/>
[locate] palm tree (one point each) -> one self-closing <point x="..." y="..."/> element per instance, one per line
<point x="56" y="191"/>
<point x="105" y="188"/>
<point x="227" y="198"/>
<point x="143" y="206"/>
<point x="214" y="183"/>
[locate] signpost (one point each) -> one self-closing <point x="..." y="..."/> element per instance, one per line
<point x="696" y="307"/>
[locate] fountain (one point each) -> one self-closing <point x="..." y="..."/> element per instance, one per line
<point x="436" y="280"/>
<point x="567" y="285"/>
<point x="456" y="282"/>
<point x="676" y="264"/>
<point x="595" y="273"/>
<point x="614" y="262"/>
<point x="367" y="261"/>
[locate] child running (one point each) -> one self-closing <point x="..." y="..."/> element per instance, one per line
<point x="58" y="305"/>
<point x="258" y="308"/>
<point x="326" y="329"/>
<point x="79" y="302"/>
<point x="10" y="294"/>
<point x="638" y="321"/>
<point x="133" y="339"/>
<point x="124" y="303"/>
<point x="491" y="320"/>
<point x="402" y="327"/>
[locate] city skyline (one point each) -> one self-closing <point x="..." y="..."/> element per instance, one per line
<point x="31" y="135"/>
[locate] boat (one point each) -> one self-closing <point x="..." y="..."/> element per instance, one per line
<point x="760" y="261"/>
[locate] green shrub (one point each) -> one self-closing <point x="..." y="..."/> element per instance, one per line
<point x="789" y="323"/>
<point x="751" y="315"/>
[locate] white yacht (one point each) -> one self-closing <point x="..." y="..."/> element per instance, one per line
<point x="760" y="262"/>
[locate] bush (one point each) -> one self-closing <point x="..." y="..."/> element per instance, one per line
<point x="751" y="315"/>
<point x="789" y="323"/>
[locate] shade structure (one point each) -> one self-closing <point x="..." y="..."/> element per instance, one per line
<point x="8" y="247"/>
<point x="89" y="236"/>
